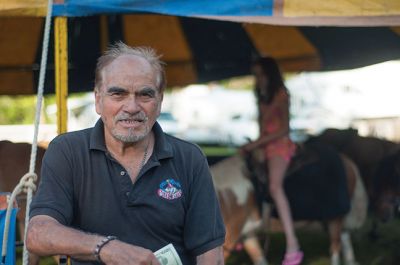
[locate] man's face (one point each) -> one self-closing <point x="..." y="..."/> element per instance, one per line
<point x="129" y="100"/>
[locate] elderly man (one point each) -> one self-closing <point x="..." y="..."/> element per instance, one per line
<point x="119" y="191"/>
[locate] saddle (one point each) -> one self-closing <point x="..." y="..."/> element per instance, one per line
<point x="315" y="182"/>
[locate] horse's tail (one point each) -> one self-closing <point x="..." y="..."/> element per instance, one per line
<point x="359" y="199"/>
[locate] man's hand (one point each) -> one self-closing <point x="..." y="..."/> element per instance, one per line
<point x="118" y="253"/>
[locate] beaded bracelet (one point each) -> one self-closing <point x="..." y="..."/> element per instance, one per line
<point x="100" y="245"/>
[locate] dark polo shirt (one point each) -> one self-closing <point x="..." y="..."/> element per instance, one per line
<point x="172" y="201"/>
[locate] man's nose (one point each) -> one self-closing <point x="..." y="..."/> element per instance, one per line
<point x="131" y="104"/>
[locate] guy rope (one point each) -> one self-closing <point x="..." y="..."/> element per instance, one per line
<point x="27" y="182"/>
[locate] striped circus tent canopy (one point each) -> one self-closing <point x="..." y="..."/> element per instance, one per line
<point x="282" y="12"/>
<point x="199" y="40"/>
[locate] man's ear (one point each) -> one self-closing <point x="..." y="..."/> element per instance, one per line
<point x="97" y="101"/>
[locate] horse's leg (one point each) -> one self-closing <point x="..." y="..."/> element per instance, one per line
<point x="266" y="221"/>
<point x="233" y="227"/>
<point x="359" y="200"/>
<point x="356" y="217"/>
<point x="235" y="218"/>
<point x="340" y="241"/>
<point x="335" y="227"/>
<point x="348" y="253"/>
<point x="254" y="250"/>
<point x="251" y="242"/>
<point x="230" y="241"/>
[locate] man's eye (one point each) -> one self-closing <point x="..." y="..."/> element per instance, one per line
<point x="147" y="94"/>
<point x="117" y="94"/>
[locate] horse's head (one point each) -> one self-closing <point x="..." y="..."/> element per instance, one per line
<point x="386" y="201"/>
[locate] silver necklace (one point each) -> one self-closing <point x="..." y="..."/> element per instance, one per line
<point x="144" y="157"/>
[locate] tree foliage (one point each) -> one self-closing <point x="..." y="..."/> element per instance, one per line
<point x="19" y="109"/>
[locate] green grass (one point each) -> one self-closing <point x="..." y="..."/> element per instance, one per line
<point x="314" y="243"/>
<point x="219" y="150"/>
<point x="385" y="250"/>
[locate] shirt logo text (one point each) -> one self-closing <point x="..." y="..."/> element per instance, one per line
<point x="170" y="189"/>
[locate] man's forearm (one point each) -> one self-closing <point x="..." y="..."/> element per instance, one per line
<point x="212" y="257"/>
<point x="46" y="237"/>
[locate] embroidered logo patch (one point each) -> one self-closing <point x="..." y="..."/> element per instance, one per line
<point x="170" y="189"/>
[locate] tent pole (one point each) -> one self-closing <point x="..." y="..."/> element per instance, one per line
<point x="61" y="71"/>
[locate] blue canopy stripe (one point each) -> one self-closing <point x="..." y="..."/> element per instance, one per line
<point x="166" y="7"/>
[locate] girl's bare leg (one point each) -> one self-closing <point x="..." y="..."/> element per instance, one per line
<point x="277" y="167"/>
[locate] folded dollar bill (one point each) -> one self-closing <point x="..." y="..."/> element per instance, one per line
<point x="168" y="255"/>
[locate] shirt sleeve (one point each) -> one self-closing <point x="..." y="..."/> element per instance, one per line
<point x="55" y="193"/>
<point x="204" y="226"/>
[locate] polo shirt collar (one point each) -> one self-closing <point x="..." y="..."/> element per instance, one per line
<point x="162" y="148"/>
<point x="97" y="140"/>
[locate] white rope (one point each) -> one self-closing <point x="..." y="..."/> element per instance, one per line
<point x="27" y="182"/>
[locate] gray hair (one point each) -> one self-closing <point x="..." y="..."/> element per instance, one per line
<point x="119" y="49"/>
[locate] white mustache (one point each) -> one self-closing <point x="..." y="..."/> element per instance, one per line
<point x="141" y="117"/>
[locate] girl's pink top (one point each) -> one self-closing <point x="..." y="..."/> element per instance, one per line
<point x="272" y="119"/>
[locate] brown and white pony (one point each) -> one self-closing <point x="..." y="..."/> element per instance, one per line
<point x="378" y="161"/>
<point x="242" y="218"/>
<point x="366" y="151"/>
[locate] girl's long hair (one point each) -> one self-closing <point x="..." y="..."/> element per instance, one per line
<point x="271" y="69"/>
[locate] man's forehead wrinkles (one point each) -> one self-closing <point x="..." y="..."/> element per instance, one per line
<point x="127" y="83"/>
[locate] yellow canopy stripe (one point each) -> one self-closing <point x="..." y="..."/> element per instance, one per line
<point x="170" y="32"/>
<point x="286" y="44"/>
<point x="31" y="8"/>
<point x="396" y="29"/>
<point x="340" y="8"/>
